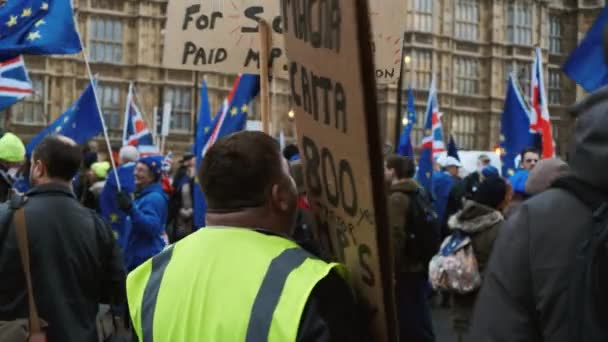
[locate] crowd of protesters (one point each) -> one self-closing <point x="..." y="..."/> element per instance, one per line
<point x="500" y="251"/>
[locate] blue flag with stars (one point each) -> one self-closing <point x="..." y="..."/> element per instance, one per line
<point x="405" y="142"/>
<point x="425" y="164"/>
<point x="37" y="27"/>
<point x="81" y="121"/>
<point x="587" y="63"/>
<point x="515" y="133"/>
<point x="203" y="130"/>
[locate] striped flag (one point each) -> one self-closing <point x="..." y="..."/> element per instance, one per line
<point x="14" y="82"/>
<point x="540" y="121"/>
<point x="136" y="132"/>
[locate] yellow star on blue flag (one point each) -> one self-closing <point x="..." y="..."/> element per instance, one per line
<point x="234" y="111"/>
<point x="81" y="121"/>
<point x="37" y="27"/>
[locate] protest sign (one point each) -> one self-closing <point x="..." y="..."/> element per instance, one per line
<point x="334" y="96"/>
<point x="223" y="36"/>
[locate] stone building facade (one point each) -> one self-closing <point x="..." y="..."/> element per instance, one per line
<point x="469" y="45"/>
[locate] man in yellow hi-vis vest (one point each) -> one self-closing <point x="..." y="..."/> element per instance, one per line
<point x="241" y="278"/>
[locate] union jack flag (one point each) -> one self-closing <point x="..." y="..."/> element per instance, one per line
<point x="136" y="132"/>
<point x="540" y="121"/>
<point x="14" y="82"/>
<point x="432" y="141"/>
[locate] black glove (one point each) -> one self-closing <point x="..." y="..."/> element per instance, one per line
<point x="124" y="201"/>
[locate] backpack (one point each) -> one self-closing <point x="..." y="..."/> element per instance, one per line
<point x="455" y="269"/>
<point x="423" y="233"/>
<point x="588" y="285"/>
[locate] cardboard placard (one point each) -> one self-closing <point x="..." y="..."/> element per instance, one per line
<point x="222" y="35"/>
<point x="333" y="89"/>
<point x="388" y="25"/>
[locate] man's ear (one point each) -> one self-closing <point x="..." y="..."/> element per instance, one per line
<point x="279" y="197"/>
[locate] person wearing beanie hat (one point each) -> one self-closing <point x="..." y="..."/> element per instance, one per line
<point x="12" y="155"/>
<point x="480" y="219"/>
<point x="98" y="175"/>
<point x="148" y="212"/>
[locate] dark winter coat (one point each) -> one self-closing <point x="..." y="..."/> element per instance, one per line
<point x="74" y="260"/>
<point x="398" y="207"/>
<point x="481" y="224"/>
<point x="525" y="291"/>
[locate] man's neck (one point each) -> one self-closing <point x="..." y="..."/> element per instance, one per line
<point x="54" y="181"/>
<point x="250" y="218"/>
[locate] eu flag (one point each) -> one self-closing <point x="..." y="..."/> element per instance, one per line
<point x="118" y="220"/>
<point x="514" y="129"/>
<point x="453" y="148"/>
<point x="81" y="121"/>
<point x="203" y="130"/>
<point x="37" y="27"/>
<point x="587" y="63"/>
<point x="405" y="142"/>
<point x="425" y="164"/>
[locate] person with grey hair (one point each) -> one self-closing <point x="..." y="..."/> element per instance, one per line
<point x="128" y="154"/>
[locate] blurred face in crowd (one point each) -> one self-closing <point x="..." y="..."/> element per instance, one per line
<point x="452" y="170"/>
<point x="389" y="174"/>
<point x="143" y="175"/>
<point x="530" y="160"/>
<point x="482" y="163"/>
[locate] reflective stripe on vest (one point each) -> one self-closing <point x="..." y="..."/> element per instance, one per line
<point x="159" y="265"/>
<point x="163" y="297"/>
<point x="268" y="296"/>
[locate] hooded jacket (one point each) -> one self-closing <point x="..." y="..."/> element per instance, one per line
<point x="481" y="223"/>
<point x="148" y="216"/>
<point x="525" y="291"/>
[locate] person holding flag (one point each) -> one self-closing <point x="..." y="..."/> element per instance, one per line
<point x="147" y="212"/>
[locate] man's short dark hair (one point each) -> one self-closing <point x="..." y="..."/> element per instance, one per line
<point x="61" y="158"/>
<point x="239" y="171"/>
<point x="404" y="166"/>
<point x="528" y="150"/>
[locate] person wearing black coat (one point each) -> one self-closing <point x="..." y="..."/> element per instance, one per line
<point x="74" y="259"/>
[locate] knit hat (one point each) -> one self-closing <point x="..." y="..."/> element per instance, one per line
<point x="12" y="149"/>
<point x="491" y="192"/>
<point x="155" y="164"/>
<point x="544" y="174"/>
<point x="490" y="171"/>
<point x="100" y="169"/>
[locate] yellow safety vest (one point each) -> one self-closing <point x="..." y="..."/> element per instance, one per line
<point x="224" y="284"/>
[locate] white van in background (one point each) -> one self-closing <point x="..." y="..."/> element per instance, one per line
<point x="469" y="160"/>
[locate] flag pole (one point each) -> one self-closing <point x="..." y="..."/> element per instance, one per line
<point x="103" y="121"/>
<point x="264" y="74"/>
<point x="127" y="116"/>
